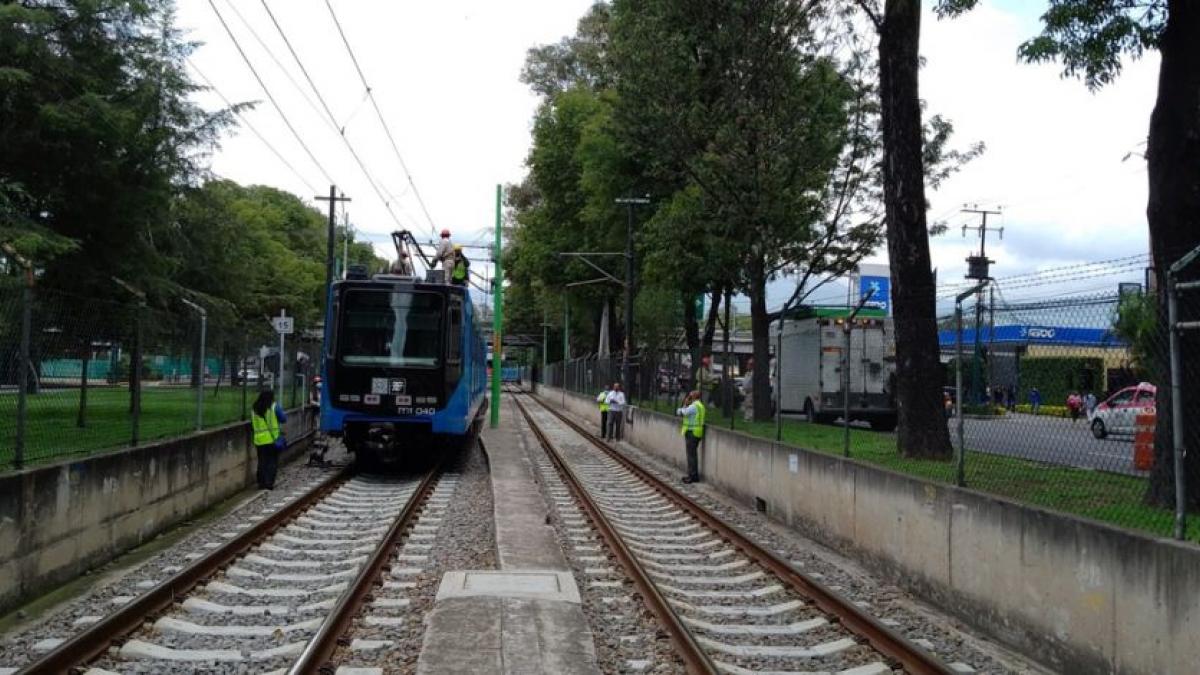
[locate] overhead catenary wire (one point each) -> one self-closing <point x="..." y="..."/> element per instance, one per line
<point x="274" y="59"/>
<point x="263" y="85"/>
<point x="332" y="119"/>
<point x="1099" y="268"/>
<point x="251" y="127"/>
<point x="379" y="114"/>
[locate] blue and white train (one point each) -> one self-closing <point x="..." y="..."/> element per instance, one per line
<point x="403" y="372"/>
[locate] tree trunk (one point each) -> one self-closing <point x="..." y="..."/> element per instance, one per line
<point x="1173" y="212"/>
<point x="760" y="332"/>
<point x="85" y="359"/>
<point x="922" y="429"/>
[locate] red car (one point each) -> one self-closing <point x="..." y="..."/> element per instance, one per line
<point x="1118" y="414"/>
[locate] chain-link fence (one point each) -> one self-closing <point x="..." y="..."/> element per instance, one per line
<point x="1061" y="405"/>
<point x="80" y="375"/>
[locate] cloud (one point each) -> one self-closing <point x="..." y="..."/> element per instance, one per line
<point x="1054" y="149"/>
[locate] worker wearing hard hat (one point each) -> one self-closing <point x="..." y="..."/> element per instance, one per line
<point x="458" y="272"/>
<point x="445" y="255"/>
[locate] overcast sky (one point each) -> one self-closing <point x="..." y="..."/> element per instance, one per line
<point x="445" y="77"/>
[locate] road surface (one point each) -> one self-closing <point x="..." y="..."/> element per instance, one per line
<point x="1054" y="440"/>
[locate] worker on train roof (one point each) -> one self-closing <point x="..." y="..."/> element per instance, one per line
<point x="445" y="255"/>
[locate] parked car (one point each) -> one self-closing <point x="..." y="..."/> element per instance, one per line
<point x="1118" y="414"/>
<point x="248" y="374"/>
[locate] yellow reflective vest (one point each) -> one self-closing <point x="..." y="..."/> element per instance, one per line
<point x="694" y="423"/>
<point x="602" y="399"/>
<point x="266" y="428"/>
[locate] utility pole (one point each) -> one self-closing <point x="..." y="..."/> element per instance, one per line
<point x="497" y="317"/>
<point x="629" y="203"/>
<point x="978" y="269"/>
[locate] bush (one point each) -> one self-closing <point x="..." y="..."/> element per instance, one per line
<point x="984" y="410"/>
<point x="1045" y="410"/>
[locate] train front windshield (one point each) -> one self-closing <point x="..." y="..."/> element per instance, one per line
<point x="391" y="330"/>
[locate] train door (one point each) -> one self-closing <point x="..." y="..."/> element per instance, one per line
<point x="454" y="340"/>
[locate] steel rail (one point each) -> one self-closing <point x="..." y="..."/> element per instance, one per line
<point x="325" y="641"/>
<point x="887" y="642"/>
<point x="695" y="660"/>
<point x="95" y="639"/>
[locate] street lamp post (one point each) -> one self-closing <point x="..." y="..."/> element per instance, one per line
<point x="200" y="389"/>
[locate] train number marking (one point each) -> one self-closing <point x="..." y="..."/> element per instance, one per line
<point x="371" y="399"/>
<point x="425" y="411"/>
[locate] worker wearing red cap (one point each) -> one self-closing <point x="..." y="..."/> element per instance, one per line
<point x="445" y="255"/>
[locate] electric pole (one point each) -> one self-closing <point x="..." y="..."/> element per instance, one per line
<point x="978" y="269"/>
<point x="345" y="243"/>
<point x="629" y="202"/>
<point x="333" y="200"/>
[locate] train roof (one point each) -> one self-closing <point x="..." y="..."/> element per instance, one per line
<point x="400" y="282"/>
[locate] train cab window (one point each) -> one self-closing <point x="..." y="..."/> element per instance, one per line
<point x="391" y="329"/>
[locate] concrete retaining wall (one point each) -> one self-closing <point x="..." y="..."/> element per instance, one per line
<point x="1078" y="595"/>
<point x="59" y="520"/>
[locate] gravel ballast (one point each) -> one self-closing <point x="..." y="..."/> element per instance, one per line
<point x="130" y="575"/>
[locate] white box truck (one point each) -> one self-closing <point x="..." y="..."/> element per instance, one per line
<point x="812" y="379"/>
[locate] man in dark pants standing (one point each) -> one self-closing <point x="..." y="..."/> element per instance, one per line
<point x="692" y="430"/>
<point x="616" y="411"/>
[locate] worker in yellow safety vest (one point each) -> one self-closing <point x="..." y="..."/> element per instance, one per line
<point x="692" y="431"/>
<point x="602" y="401"/>
<point x="458" y="270"/>
<point x="266" y="421"/>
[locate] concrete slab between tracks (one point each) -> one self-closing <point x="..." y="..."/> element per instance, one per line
<point x="1078" y="595"/>
<point x="525" y="617"/>
<point x="60" y="520"/>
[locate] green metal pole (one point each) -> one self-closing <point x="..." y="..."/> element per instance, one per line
<point x="497" y="320"/>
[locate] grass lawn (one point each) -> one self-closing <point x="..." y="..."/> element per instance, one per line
<point x="51" y="430"/>
<point x="1108" y="497"/>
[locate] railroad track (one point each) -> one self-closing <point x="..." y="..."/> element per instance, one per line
<point x="279" y="597"/>
<point x="728" y="605"/>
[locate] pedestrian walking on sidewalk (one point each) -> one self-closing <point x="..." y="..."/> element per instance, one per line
<point x="1035" y="400"/>
<point x="266" y="420"/>
<point x="616" y="411"/>
<point x="602" y="401"/>
<point x="1074" y="406"/>
<point x="692" y="431"/>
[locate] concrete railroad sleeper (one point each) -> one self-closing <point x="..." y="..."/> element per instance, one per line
<point x="95" y="641"/>
<point x="616" y="516"/>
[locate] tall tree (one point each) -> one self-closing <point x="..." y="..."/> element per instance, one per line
<point x="97" y="133"/>
<point x="921" y="430"/>
<point x="736" y="101"/>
